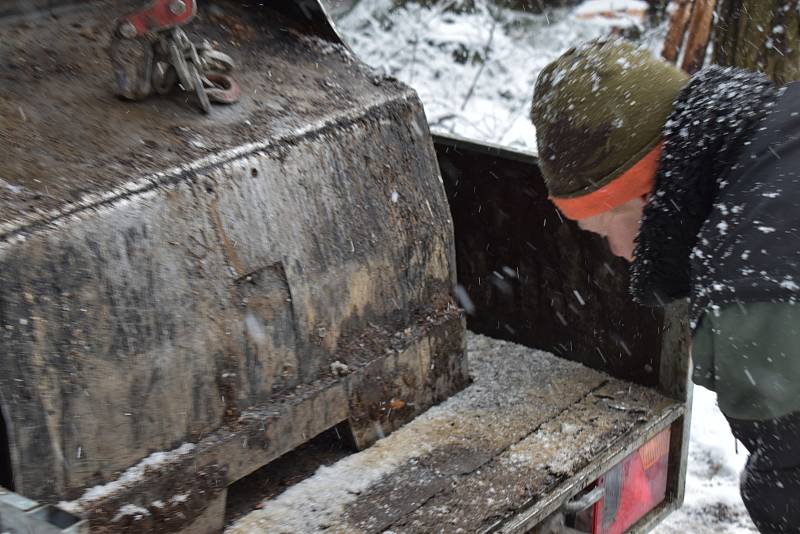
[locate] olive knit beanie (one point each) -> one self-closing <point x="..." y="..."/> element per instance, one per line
<point x="599" y="110"/>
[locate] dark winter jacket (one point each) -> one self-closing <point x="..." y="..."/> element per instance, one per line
<point x="722" y="226"/>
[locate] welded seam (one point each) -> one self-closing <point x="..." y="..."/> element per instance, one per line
<point x="153" y="181"/>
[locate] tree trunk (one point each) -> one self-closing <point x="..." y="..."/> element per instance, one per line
<point x="762" y="35"/>
<point x="677" y="29"/>
<point x="528" y="6"/>
<point x="699" y="31"/>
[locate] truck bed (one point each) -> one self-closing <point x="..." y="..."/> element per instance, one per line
<point x="531" y="431"/>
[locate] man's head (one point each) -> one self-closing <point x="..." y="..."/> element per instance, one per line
<point x="599" y="111"/>
<point x="618" y="225"/>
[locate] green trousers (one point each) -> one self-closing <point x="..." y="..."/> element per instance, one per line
<point x="750" y="355"/>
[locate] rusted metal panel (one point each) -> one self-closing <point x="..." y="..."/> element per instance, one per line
<point x="539" y="510"/>
<point x="536" y="278"/>
<point x="530" y="432"/>
<point x="421" y="359"/>
<point x="59" y="105"/>
<point x="165" y="277"/>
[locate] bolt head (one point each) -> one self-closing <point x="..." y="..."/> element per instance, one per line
<point x="177" y="7"/>
<point x="127" y="30"/>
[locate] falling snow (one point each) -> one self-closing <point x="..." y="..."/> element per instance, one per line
<point x="137" y="512"/>
<point x="130" y="477"/>
<point x="712" y="504"/>
<point x="475" y="73"/>
<point x="790" y="285"/>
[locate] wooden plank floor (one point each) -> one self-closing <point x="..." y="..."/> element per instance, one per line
<point x="527" y="426"/>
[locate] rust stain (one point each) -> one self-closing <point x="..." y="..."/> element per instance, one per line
<point x="228" y="246"/>
<point x="397" y="404"/>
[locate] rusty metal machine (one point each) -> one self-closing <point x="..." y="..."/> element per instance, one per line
<point x="185" y="297"/>
<point x="193" y="306"/>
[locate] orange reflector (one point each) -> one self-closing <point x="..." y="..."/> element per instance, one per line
<point x="632" y="488"/>
<point x="655" y="449"/>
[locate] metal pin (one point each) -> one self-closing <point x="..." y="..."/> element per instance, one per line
<point x="127" y="30"/>
<point x="177" y="7"/>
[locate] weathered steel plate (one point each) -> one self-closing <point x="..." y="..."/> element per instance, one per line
<point x="69" y="143"/>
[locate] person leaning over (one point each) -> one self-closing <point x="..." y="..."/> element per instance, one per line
<point x="695" y="181"/>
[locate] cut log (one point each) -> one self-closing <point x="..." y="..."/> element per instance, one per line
<point x="699" y="34"/>
<point x="678" y="23"/>
<point x="234" y="282"/>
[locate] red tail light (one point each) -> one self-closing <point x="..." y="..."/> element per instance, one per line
<point x="632" y="488"/>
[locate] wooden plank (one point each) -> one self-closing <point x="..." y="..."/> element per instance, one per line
<point x="540" y="466"/>
<point x="612" y="455"/>
<point x="529" y="426"/>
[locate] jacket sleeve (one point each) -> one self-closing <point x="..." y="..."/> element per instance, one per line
<point x="750" y="355"/>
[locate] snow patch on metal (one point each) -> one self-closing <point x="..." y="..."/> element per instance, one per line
<point x="128" y="478"/>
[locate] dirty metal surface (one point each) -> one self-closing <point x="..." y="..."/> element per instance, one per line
<point x="528" y="424"/>
<point x="68" y="142"/>
<point x="168" y="278"/>
<point x="20" y="515"/>
<point x="537" y="279"/>
<point x="418" y="371"/>
<point x="212" y="295"/>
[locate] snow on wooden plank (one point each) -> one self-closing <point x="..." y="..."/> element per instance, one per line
<point x="528" y="423"/>
<point x="540" y="465"/>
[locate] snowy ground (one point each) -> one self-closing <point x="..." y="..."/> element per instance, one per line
<point x="713" y="504"/>
<point x="475" y="71"/>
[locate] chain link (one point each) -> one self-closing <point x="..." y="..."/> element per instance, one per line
<point x="169" y="60"/>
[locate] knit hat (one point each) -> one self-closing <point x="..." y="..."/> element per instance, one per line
<point x="599" y="111"/>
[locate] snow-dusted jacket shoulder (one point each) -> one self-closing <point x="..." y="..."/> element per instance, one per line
<point x="723" y="223"/>
<point x="749" y="248"/>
